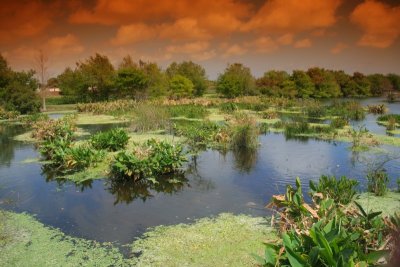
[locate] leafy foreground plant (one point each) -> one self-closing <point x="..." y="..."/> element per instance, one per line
<point x="113" y="140"/>
<point x="149" y="160"/>
<point x="327" y="234"/>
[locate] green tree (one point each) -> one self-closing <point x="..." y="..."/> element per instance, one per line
<point x="194" y="72"/>
<point x="130" y="82"/>
<point x="363" y="86"/>
<point x="235" y="81"/>
<point x="304" y="84"/>
<point x="395" y="80"/>
<point x="97" y="76"/>
<point x="72" y="85"/>
<point x="180" y="86"/>
<point x="345" y="82"/>
<point x="324" y="82"/>
<point x="379" y="84"/>
<point x="19" y="93"/>
<point x="271" y="83"/>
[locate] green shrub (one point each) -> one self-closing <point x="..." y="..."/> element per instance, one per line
<point x="391" y="124"/>
<point x="112" y="140"/>
<point x="340" y="190"/>
<point x="188" y="111"/>
<point x="33" y="118"/>
<point x="149" y="160"/>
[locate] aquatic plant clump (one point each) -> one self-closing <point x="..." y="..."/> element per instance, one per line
<point x="188" y="111"/>
<point x="112" y="140"/>
<point x="47" y="130"/>
<point x="149" y="160"/>
<point x="325" y="233"/>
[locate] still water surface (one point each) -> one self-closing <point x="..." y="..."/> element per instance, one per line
<point x="238" y="182"/>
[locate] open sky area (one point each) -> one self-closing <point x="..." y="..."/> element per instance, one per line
<point x="352" y="35"/>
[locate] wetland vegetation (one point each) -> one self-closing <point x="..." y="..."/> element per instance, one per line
<point x="148" y="142"/>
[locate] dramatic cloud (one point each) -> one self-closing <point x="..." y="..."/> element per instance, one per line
<point x="23" y="19"/>
<point x="64" y="45"/>
<point x="127" y="11"/>
<point x="234" y="50"/>
<point x="133" y="33"/>
<point x="379" y="21"/>
<point x="263" y="45"/>
<point x="294" y="16"/>
<point x="303" y="43"/>
<point x="338" y="48"/>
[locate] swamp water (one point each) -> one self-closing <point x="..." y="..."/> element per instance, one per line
<point x="237" y="182"/>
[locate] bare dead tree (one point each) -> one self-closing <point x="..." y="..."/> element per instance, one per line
<point x="41" y="62"/>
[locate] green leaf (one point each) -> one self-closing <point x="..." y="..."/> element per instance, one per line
<point x="373" y="215"/>
<point x="258" y="258"/>
<point x="270" y="254"/>
<point x="361" y="209"/>
<point x="374" y="256"/>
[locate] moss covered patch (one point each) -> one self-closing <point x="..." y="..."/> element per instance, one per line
<point x="27" y="136"/>
<point x="30" y="243"/>
<point x="388" y="204"/>
<point x="226" y="240"/>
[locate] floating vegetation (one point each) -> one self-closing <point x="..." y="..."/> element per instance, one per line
<point x="226" y="240"/>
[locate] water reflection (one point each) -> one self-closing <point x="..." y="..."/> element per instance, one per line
<point x="245" y="159"/>
<point x="128" y="191"/>
<point x="7" y="144"/>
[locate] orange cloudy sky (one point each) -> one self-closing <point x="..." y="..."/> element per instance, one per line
<point x="263" y="34"/>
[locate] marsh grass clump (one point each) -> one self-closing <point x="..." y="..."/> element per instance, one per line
<point x="297" y="128"/>
<point x="188" y="111"/>
<point x="314" y="109"/>
<point x="342" y="190"/>
<point x="149" y="160"/>
<point x="228" y="107"/>
<point x="351" y="110"/>
<point x="112" y="140"/>
<point x="387" y="117"/>
<point x="338" y="123"/>
<point x="377" y="181"/>
<point x="377" y="109"/>
<point x="149" y="117"/>
<point x="244" y="131"/>
<point x="391" y="124"/>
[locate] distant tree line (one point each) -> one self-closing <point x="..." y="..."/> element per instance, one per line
<point x="96" y="79"/>
<point x="237" y="80"/>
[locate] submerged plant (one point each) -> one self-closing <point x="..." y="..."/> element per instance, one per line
<point x="112" y="140"/>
